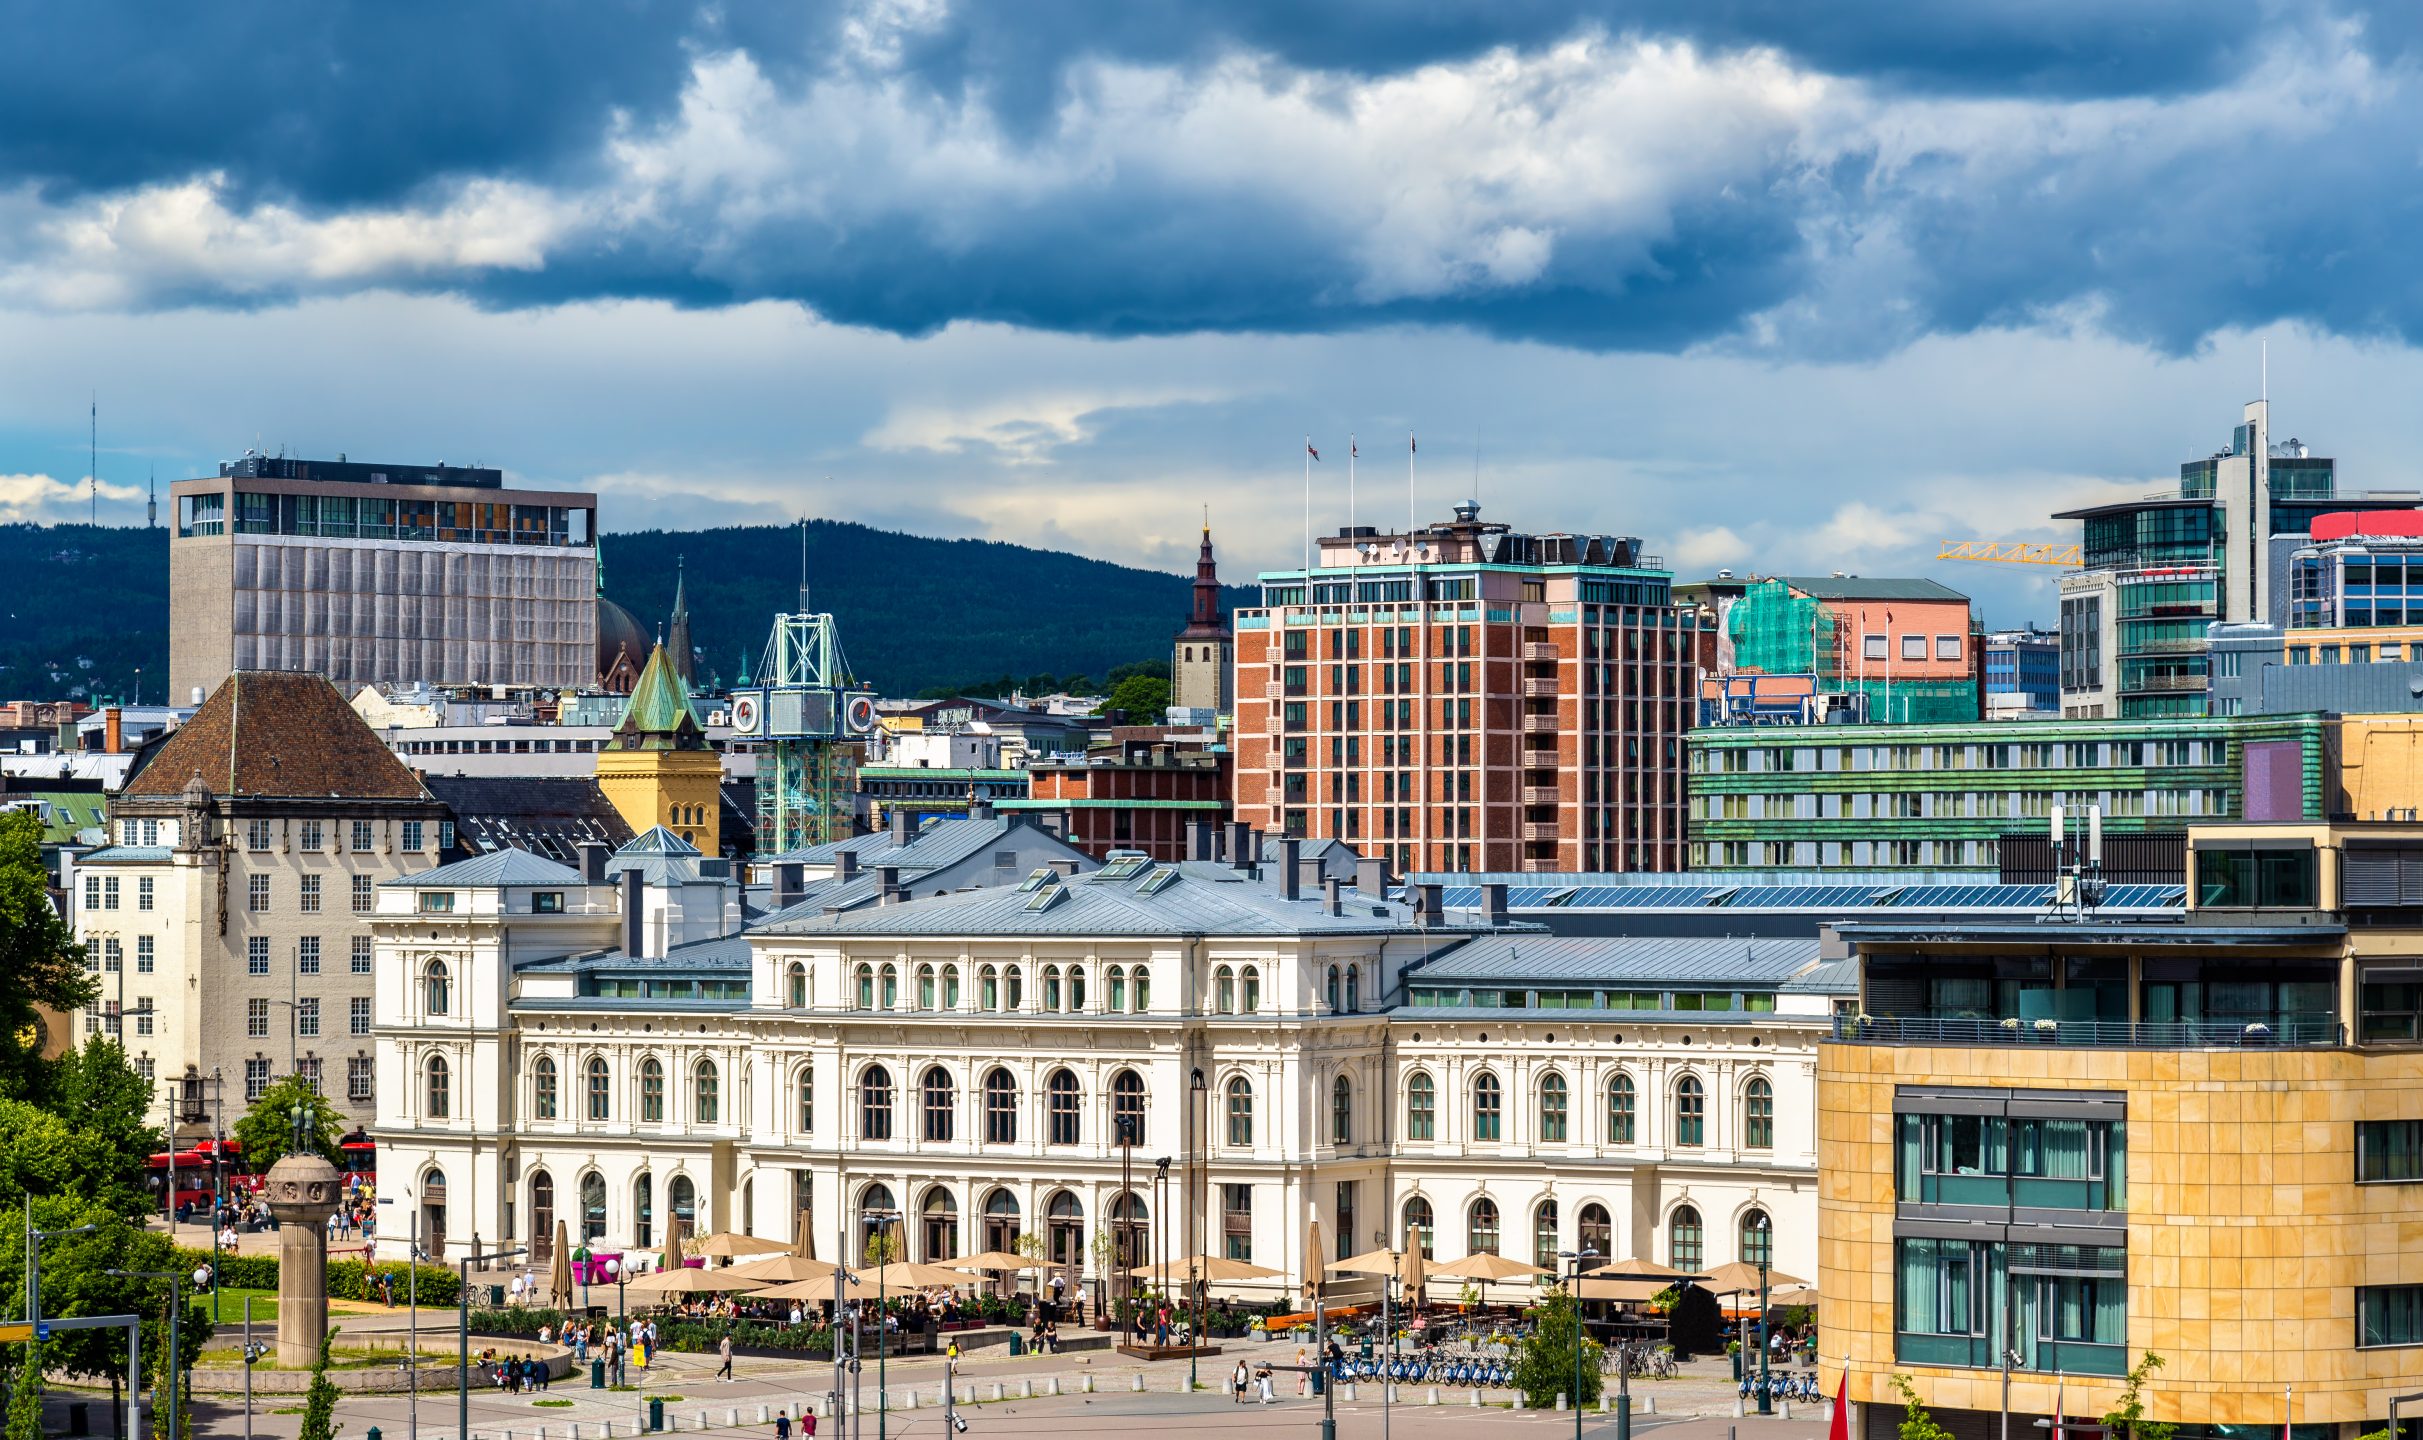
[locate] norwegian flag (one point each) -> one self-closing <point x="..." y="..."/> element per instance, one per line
<point x="1311" y="451"/>
<point x="1410" y="446"/>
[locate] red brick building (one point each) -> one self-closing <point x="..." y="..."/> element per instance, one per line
<point x="1467" y="698"/>
<point x="1140" y="795"/>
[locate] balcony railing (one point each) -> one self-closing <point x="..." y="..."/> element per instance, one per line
<point x="2288" y="1031"/>
<point x="1539" y="724"/>
<point x="1539" y="650"/>
<point x="1539" y="795"/>
<point x="1540" y="689"/>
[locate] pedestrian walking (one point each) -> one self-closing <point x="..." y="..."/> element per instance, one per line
<point x="723" y="1351"/>
<point x="1264" y="1378"/>
<point x="1236" y="1385"/>
<point x="782" y="1425"/>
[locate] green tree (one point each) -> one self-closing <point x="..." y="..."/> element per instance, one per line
<point x="40" y="962"/>
<point x="1137" y="699"/>
<point x="76" y="1281"/>
<point x="266" y="1129"/>
<point x="1916" y="1423"/>
<point x="25" y="1396"/>
<point x="320" y="1402"/>
<point x="108" y="1102"/>
<point x="1545" y="1368"/>
<point x="2127" y="1418"/>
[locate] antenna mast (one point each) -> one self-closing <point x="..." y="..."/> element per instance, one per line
<point x="92" y="478"/>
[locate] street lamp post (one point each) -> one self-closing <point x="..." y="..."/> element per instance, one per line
<point x="1577" y="1259"/>
<point x="412" y="1311"/>
<point x="883" y="1412"/>
<point x="1196" y="1114"/>
<point x="176" y="1314"/>
<point x="1766" y="1254"/>
<point x="462" y="1334"/>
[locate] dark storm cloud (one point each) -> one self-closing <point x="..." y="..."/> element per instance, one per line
<point x="2138" y="167"/>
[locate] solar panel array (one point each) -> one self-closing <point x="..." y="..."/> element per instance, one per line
<point x="1870" y="896"/>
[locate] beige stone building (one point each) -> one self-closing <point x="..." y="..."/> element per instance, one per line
<point x="228" y="919"/>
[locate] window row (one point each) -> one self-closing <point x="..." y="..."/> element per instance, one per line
<point x="597" y="1091"/>
<point x="999" y="1106"/>
<point x="1555" y="1122"/>
<point x="1484" y="1233"/>
<point x="1061" y="989"/>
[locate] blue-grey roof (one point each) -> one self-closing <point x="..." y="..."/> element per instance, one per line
<point x="725" y="954"/>
<point x="124" y="855"/>
<point x="1827" y="977"/>
<point x="658" y="841"/>
<point x="1640" y="960"/>
<point x="939" y="844"/>
<point x="497" y="867"/>
<point x="1190" y="898"/>
<point x="1416" y="1014"/>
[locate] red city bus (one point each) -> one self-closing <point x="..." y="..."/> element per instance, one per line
<point x="194" y="1168"/>
<point x="360" y="1162"/>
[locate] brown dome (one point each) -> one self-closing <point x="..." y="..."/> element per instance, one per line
<point x="621" y="639"/>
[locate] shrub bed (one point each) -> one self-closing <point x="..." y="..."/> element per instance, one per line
<point x="347" y="1279"/>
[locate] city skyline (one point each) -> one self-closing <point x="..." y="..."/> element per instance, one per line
<point x="1063" y="282"/>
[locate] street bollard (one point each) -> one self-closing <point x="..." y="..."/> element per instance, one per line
<point x="1350" y="1393"/>
<point x="731" y="1417"/>
<point x="996" y="1389"/>
<point x="1089" y="1382"/>
<point x="1737" y="1407"/>
<point x="1787" y="1409"/>
<point x="1026" y="1387"/>
<point x="1649" y="1405"/>
<point x="1560" y="1400"/>
<point x="1476" y="1397"/>
<point x="765" y="1416"/>
<point x="1434" y="1396"/>
<point x="1136" y="1382"/>
<point x="1519" y="1402"/>
<point x="1051" y="1385"/>
<point x="702" y="1420"/>
<point x="1606" y="1403"/>
<point x="911" y="1402"/>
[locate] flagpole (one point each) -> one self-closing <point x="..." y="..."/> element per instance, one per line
<point x="1308" y="519"/>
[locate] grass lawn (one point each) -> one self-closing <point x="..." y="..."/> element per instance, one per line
<point x="230" y="1307"/>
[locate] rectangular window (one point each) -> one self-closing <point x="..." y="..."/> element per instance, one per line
<point x="143" y="1016"/>
<point x="92" y="892"/>
<point x="307" y="955"/>
<point x="311" y="895"/>
<point x="256" y="835"/>
<point x="437" y="902"/>
<point x="1947" y="647"/>
<point x="309" y="1069"/>
<point x="547" y="902"/>
<point x="143" y="893"/>
<point x="361" y="837"/>
<point x="146" y="955"/>
<point x="2255" y="878"/>
<point x="256" y="1019"/>
<point x="256" y="955"/>
<point x="256" y="1079"/>
<point x="358" y="1015"/>
<point x="256" y="893"/>
<point x="2389" y="1151"/>
<point x="307" y="1016"/>
<point x="311" y="835"/>
<point x="109" y="893"/>
<point x="412" y="836"/>
<point x="1913" y="647"/>
<point x="2389" y="1315"/>
<point x="1872" y="647"/>
<point x="358" y="1079"/>
<point x="361" y="955"/>
<point x="361" y="894"/>
<point x="1237" y="1221"/>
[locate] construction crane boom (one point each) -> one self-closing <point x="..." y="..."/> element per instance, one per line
<point x="2012" y="552"/>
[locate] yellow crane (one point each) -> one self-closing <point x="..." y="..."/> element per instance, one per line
<point x="2011" y="552"/>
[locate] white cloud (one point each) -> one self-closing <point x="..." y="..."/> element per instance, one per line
<point x="44" y="498"/>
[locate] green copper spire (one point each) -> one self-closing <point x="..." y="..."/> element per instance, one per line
<point x="660" y="717"/>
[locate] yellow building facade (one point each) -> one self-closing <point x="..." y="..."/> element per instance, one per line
<point x="2085" y="1141"/>
<point x="659" y="769"/>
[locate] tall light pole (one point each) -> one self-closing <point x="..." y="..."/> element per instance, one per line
<point x="1196" y="1114"/>
<point x="879" y="1218"/>
<point x="1573" y="1282"/>
<point x="176" y="1315"/>
<point x="412" y="1303"/>
<point x="462" y="1335"/>
<point x="1766" y="1254"/>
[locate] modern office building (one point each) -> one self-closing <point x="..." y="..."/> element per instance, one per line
<point x="1465" y="697"/>
<point x="380" y="574"/>
<point x="1947" y="796"/>
<point x="2023" y="674"/>
<point x="2083" y="1141"/>
<point x="2159" y="570"/>
<point x="228" y="915"/>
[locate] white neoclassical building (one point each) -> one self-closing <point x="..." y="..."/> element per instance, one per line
<point x="617" y="1049"/>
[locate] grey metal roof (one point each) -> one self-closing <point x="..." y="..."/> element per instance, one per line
<point x="725" y="954"/>
<point x="1853" y="587"/>
<point x="658" y="841"/>
<point x="1416" y="1014"/>
<point x="2144" y="930"/>
<point x="943" y="842"/>
<point x="497" y="867"/>
<point x="1827" y="977"/>
<point x="124" y="855"/>
<point x="1204" y="899"/>
<point x="1637" y="960"/>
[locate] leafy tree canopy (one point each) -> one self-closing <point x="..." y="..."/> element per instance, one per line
<point x="109" y="1102"/>
<point x="76" y="1282"/>
<point x="40" y="961"/>
<point x="1137" y="700"/>
<point x="266" y="1129"/>
<point x="1545" y="1367"/>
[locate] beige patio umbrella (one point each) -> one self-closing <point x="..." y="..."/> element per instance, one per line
<point x="1312" y="1261"/>
<point x="733" y="1246"/>
<point x="1637" y="1269"/>
<point x="905" y="1275"/>
<point x="1488" y="1269"/>
<point x="797" y="1290"/>
<point x="1617" y="1288"/>
<point x="673" y="1255"/>
<point x="1410" y="1275"/>
<point x="1196" y="1268"/>
<point x="996" y="1262"/>
<point x="1793" y="1295"/>
<point x="559" y="1268"/>
<point x="784" y="1270"/>
<point x="803" y="1236"/>
<point x="1370" y="1262"/>
<point x="686" y="1281"/>
<point x="1737" y="1277"/>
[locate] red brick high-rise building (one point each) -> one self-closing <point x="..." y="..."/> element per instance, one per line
<point x="1467" y="698"/>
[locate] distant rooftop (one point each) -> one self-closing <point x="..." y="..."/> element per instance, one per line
<point x="341" y="471"/>
<point x="1856" y="587"/>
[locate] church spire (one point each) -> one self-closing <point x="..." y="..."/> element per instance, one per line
<point x="1205" y="617"/>
<point x="677" y="642"/>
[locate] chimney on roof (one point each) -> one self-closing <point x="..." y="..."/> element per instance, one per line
<point x="1239" y="850"/>
<point x="900" y="826"/>
<point x="1066" y="869"/>
<point x="1310" y="872"/>
<point x="1427" y="909"/>
<point x="1290" y="877"/>
<point x="113" y="731"/>
<point x="1330" y="904"/>
<point x="634" y="932"/>
<point x="1198" y="840"/>
<point x="887" y="881"/>
<point x="1493" y="902"/>
<point x="788" y="886"/>
<point x="980" y="810"/>
<point x="593" y="862"/>
<point x="845" y="864"/>
<point x="1371" y="877"/>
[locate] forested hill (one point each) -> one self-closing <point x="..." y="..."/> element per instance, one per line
<point x="81" y="607"/>
<point x="915" y="613"/>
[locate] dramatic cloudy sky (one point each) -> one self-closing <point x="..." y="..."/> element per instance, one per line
<point x="1778" y="286"/>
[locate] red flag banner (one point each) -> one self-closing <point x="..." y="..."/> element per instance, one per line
<point x="1311" y="451"/>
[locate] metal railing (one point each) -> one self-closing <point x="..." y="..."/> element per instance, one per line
<point x="2287" y="1031"/>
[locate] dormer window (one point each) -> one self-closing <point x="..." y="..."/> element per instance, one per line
<point x="547" y="902"/>
<point x="437" y="902"/>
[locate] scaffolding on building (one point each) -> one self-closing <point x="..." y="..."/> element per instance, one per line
<point x="1775" y="632"/>
<point x="813" y="720"/>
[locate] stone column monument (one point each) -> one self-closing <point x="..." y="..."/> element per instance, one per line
<point x="302" y="1191"/>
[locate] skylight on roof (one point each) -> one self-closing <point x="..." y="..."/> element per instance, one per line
<point x="1125" y="866"/>
<point x="1040" y="876"/>
<point x="1047" y="897"/>
<point x="1157" y="882"/>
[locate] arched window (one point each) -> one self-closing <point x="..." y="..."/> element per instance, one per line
<point x="1421" y="1227"/>
<point x="1553" y="1127"/>
<point x="1685" y="1248"/>
<point x="1141" y="998"/>
<point x="1062" y="1102"/>
<point x="593" y="1207"/>
<point x="542" y="1087"/>
<point x="433" y="1206"/>
<point x="600" y="1084"/>
<point x="1758" y="1114"/>
<point x="1330" y="989"/>
<point x="1224" y="991"/>
<point x="1758" y="1239"/>
<point x="1064" y="1232"/>
<point x="1114" y="982"/>
<point x="890" y="975"/>
<point x="950" y="987"/>
<point x="542" y="1207"/>
<point x="1596" y="1233"/>
<point x="1127" y="1107"/>
<point x="1341" y="1111"/>
<point x="1354" y="988"/>
<point x="437" y="988"/>
<point x="1421" y="1107"/>
<point x="1482" y="1233"/>
<point x="1051" y="989"/>
<point x="643" y="1211"/>
<point x="1013" y="984"/>
<point x="799" y="985"/>
<point x="866" y="987"/>
<point x="1249" y="988"/>
<point x="682" y="1198"/>
<point x="940" y="1100"/>
<point x="1240" y="1111"/>
<point x="1001" y="1221"/>
<point x="1690" y="1112"/>
<point x="804" y="1091"/>
<point x="707" y="1087"/>
<point x="441" y="1088"/>
<point x="1543" y="1234"/>
<point x="1076" y="989"/>
<point x="941" y="1216"/>
<point x="1000" y="1107"/>
<point x="926" y="993"/>
<point x="875" y="1103"/>
<point x="651" y="1092"/>
<point x="1488" y="1107"/>
<point x="1623" y="1108"/>
<point x="879" y="1226"/>
<point x="988" y="988"/>
<point x="1130" y="1225"/>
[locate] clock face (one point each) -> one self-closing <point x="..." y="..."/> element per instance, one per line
<point x="861" y="714"/>
<point x="745" y="714"/>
